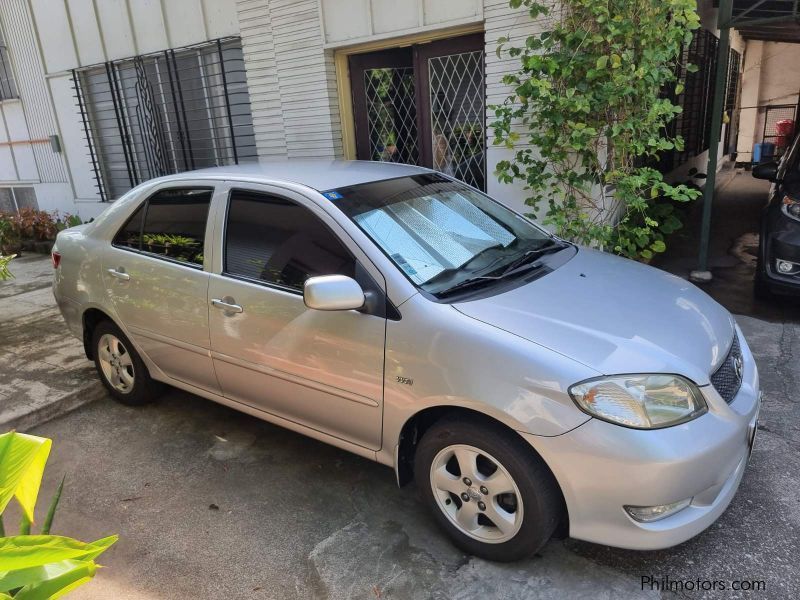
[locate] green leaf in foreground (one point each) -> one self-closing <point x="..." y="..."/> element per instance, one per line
<point x="66" y="577"/>
<point x="25" y="551"/>
<point x="51" y="512"/>
<point x="22" y="461"/>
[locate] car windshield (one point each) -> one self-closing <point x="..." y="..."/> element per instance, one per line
<point x="439" y="232"/>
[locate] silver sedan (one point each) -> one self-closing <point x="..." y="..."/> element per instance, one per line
<point x="527" y="386"/>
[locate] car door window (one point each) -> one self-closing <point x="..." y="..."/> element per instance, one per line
<point x="279" y="242"/>
<point x="171" y="224"/>
<point x="130" y="236"/>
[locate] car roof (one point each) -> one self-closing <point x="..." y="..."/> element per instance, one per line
<point x="320" y="175"/>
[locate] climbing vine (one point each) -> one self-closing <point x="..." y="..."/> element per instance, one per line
<point x="588" y="118"/>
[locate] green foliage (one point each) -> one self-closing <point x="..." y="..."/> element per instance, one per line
<point x="588" y="114"/>
<point x="5" y="272"/>
<point x="179" y="247"/>
<point x="38" y="567"/>
<point x="31" y="224"/>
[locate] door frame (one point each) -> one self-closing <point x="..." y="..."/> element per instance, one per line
<point x="392" y="58"/>
<point x="219" y="214"/>
<point x="343" y="84"/>
<point x="459" y="45"/>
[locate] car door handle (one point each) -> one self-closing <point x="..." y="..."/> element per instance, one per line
<point x="121" y="275"/>
<point x="226" y="306"/>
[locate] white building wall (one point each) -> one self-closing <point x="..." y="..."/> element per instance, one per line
<point x="350" y="22"/>
<point x="26" y="123"/>
<point x="255" y="27"/>
<point x="771" y="75"/>
<point x="77" y="33"/>
<point x="307" y="81"/>
<point x="289" y="50"/>
<point x="517" y="26"/>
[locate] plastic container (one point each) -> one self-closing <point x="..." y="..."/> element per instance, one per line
<point x="763" y="152"/>
<point x="784" y="130"/>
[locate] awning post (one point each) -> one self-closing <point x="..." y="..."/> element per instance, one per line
<point x="702" y="273"/>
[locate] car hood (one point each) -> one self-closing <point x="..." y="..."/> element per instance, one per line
<point x="615" y="316"/>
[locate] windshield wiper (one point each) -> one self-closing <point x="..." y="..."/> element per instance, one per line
<point x="473" y="281"/>
<point x="518" y="265"/>
<point x="449" y="272"/>
<point x="530" y="255"/>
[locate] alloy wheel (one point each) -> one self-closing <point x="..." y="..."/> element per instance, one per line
<point x="116" y="363"/>
<point x="476" y="493"/>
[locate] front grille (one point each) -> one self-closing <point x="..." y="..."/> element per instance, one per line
<point x="728" y="378"/>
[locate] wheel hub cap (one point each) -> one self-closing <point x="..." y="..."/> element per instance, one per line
<point x="116" y="363"/>
<point x="476" y="493"/>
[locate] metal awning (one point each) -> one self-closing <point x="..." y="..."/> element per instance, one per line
<point x="767" y="20"/>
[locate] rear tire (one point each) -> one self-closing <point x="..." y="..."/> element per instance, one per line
<point x="490" y="492"/>
<point x="120" y="367"/>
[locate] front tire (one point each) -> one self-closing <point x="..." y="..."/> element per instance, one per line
<point x="490" y="492"/>
<point x="120" y="367"/>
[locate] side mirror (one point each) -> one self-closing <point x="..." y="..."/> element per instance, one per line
<point x="333" y="292"/>
<point x="766" y="170"/>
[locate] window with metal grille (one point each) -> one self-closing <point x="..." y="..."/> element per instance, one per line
<point x="732" y="93"/>
<point x="167" y="112"/>
<point x="694" y="122"/>
<point x="7" y="87"/>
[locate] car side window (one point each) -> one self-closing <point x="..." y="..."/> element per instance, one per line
<point x="130" y="236"/>
<point x="170" y="224"/>
<point x="274" y="240"/>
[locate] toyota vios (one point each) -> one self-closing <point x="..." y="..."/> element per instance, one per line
<point x="524" y="383"/>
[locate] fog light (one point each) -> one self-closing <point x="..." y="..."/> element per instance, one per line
<point x="786" y="268"/>
<point x="648" y="514"/>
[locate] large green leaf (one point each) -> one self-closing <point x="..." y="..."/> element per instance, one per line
<point x="22" y="461"/>
<point x="26" y="551"/>
<point x="68" y="577"/>
<point x="19" y="578"/>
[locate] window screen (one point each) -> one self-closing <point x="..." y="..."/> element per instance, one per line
<point x="277" y="241"/>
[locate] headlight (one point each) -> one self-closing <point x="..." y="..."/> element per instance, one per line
<point x="791" y="207"/>
<point x="640" y="401"/>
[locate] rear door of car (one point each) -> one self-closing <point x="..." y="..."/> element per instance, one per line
<point x="322" y="370"/>
<point x="153" y="272"/>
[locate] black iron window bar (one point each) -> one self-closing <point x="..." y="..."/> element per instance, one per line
<point x="7" y="87"/>
<point x="166" y="112"/>
<point x="732" y="93"/>
<point x="694" y="122"/>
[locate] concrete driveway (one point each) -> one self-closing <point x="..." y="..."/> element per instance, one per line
<point x="211" y="503"/>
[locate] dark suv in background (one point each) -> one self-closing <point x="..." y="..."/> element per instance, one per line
<point x="778" y="270"/>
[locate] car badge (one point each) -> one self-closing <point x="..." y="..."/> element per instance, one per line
<point x="738" y="367"/>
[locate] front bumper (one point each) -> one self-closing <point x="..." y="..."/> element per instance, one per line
<point x="601" y="467"/>
<point x="782" y="242"/>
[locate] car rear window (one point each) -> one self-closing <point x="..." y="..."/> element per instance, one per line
<point x="171" y="224"/>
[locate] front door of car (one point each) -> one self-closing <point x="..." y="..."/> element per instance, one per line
<point x="153" y="273"/>
<point x="320" y="369"/>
